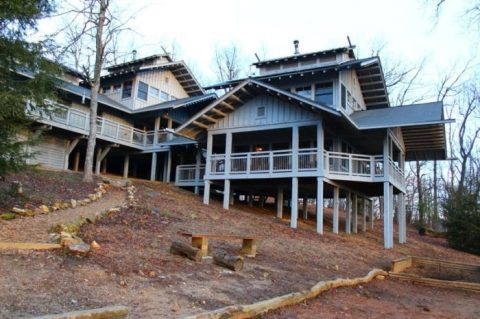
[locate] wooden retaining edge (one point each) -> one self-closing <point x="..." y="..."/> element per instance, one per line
<point x="111" y="312"/>
<point x="470" y="286"/>
<point x="28" y="246"/>
<point x="248" y="311"/>
<point x="401" y="264"/>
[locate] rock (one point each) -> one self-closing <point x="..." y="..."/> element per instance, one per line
<point x="30" y="213"/>
<point x="380" y="277"/>
<point x="94" y="245"/>
<point x="92" y="197"/>
<point x="80" y="248"/>
<point x="67" y="239"/>
<point x="99" y="194"/>
<point x="87" y="200"/>
<point x="73" y="203"/>
<point x="8" y="216"/>
<point x="64" y="205"/>
<point x="114" y="210"/>
<point x="152" y="274"/>
<point x="45" y="209"/>
<point x="19" y="211"/>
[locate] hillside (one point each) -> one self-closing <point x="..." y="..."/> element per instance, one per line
<point x="133" y="266"/>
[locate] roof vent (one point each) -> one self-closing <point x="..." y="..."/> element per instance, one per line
<point x="134" y="54"/>
<point x="295" y="44"/>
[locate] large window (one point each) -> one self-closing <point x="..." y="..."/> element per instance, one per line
<point x="154" y="92"/>
<point x="142" y="91"/>
<point x="324" y="93"/>
<point x="164" y="95"/>
<point x="127" y="89"/>
<point x="304" y="91"/>
<point x="344" y="97"/>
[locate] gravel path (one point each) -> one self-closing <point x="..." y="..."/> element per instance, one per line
<point x="35" y="229"/>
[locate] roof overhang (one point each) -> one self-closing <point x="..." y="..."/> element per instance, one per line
<point x="369" y="72"/>
<point x="422" y="125"/>
<point x="237" y="97"/>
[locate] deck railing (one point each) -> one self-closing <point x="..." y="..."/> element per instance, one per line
<point x="189" y="175"/>
<point x="337" y="165"/>
<point x="121" y="133"/>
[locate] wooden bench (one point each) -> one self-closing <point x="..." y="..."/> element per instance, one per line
<point x="200" y="240"/>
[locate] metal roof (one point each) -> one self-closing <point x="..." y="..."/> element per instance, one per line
<point x="422" y="125"/>
<point x="369" y="72"/>
<point x="237" y="97"/>
<point x="179" y="69"/>
<point x="301" y="56"/>
<point x="177" y="103"/>
<point x="114" y="67"/>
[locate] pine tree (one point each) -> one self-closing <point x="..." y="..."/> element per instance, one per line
<point x="24" y="76"/>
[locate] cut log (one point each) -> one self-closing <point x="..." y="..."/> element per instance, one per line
<point x="234" y="263"/>
<point x="180" y="248"/>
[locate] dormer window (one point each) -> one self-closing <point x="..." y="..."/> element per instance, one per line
<point x="324" y="93"/>
<point x="142" y="91"/>
<point x="304" y="91"/>
<point x="127" y="89"/>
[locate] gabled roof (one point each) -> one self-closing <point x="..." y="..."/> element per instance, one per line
<point x="422" y="125"/>
<point x="303" y="56"/>
<point x="369" y="72"/>
<point x="179" y="69"/>
<point x="237" y="97"/>
<point x="116" y="67"/>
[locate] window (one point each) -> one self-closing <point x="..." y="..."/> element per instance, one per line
<point x="127" y="89"/>
<point x="304" y="91"/>
<point x="154" y="91"/>
<point x="172" y="98"/>
<point x="344" y="97"/>
<point x="324" y="93"/>
<point x="142" y="91"/>
<point x="261" y="112"/>
<point x="117" y="87"/>
<point x="164" y="95"/>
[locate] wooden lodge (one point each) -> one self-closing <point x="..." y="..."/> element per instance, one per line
<point x="311" y="126"/>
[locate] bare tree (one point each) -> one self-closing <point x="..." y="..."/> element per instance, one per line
<point x="228" y="63"/>
<point x="95" y="36"/>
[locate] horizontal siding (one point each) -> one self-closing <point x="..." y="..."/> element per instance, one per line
<point x="49" y="152"/>
<point x="276" y="112"/>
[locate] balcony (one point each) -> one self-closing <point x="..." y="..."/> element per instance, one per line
<point x="189" y="175"/>
<point x="78" y="121"/>
<point x="276" y="164"/>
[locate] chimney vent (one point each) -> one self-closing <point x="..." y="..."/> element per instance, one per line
<point x="134" y="54"/>
<point x="295" y="44"/>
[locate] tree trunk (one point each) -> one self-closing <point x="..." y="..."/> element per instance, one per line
<point x="95" y="87"/>
<point x="182" y="249"/>
<point x="234" y="263"/>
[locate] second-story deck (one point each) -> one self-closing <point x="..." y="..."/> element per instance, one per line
<point x="79" y="122"/>
<point x="282" y="163"/>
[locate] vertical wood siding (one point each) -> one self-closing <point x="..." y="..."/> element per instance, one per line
<point x="276" y="111"/>
<point x="49" y="152"/>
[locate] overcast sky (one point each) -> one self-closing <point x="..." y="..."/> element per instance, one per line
<point x="268" y="27"/>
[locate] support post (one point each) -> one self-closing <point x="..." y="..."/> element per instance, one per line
<point x="104" y="166"/>
<point x="153" y="168"/>
<point x="198" y="159"/>
<point x="262" y="201"/>
<point x="319" y="206"/>
<point x="76" y="163"/>
<point x="320" y="147"/>
<point x="348" y="216"/>
<point x="228" y="152"/>
<point x="126" y="163"/>
<point x="402" y="220"/>
<point x="387" y="216"/>
<point x="372" y="216"/>
<point x="100" y="156"/>
<point x="226" y="194"/>
<point x="294" y="203"/>
<point x="250" y="199"/>
<point x="364" y="215"/>
<point x="156" y="129"/>
<point x="232" y="198"/>
<point x="71" y="145"/>
<point x="305" y="207"/>
<point x="280" y="202"/>
<point x="355" y="214"/>
<point x="169" y="166"/>
<point x="295" y="146"/>
<point x="206" y="192"/>
<point x="336" y="195"/>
